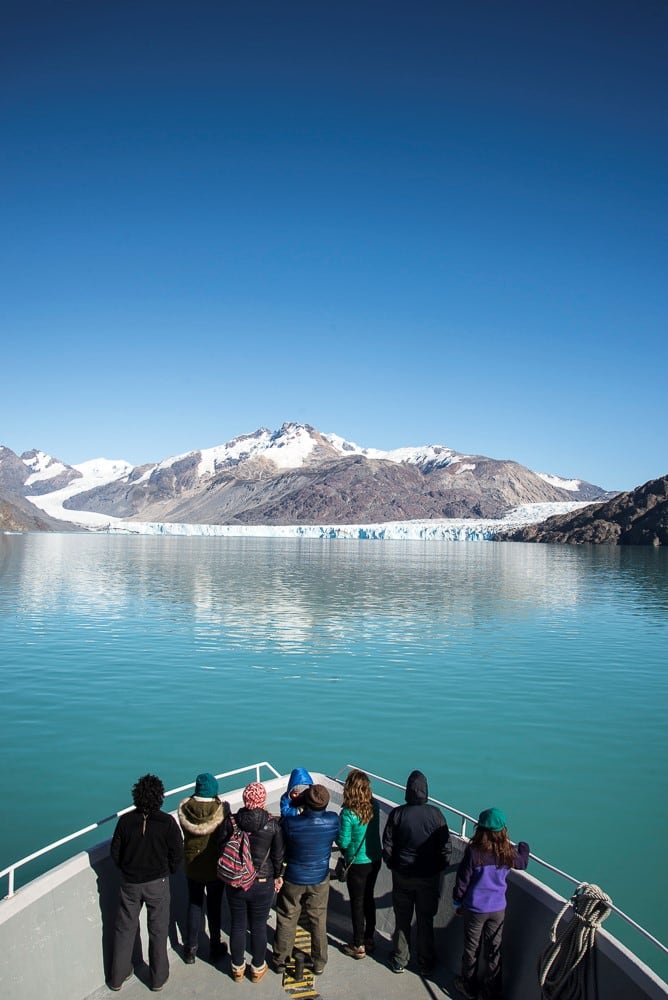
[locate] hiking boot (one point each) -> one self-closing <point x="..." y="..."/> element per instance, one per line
<point x="354" y="950"/>
<point x="237" y="972"/>
<point x="189" y="955"/>
<point x="257" y="974"/>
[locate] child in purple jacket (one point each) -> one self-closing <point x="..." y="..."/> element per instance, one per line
<point x="479" y="897"/>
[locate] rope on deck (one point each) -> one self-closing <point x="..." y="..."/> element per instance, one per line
<point x="564" y="965"/>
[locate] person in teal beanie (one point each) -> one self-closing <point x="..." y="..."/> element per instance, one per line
<point x="479" y="896"/>
<point x="201" y="816"/>
<point x="359" y="840"/>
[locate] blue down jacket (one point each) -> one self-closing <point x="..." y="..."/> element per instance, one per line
<point x="308" y="845"/>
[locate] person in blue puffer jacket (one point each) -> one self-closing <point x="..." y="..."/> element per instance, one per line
<point x="308" y="844"/>
<point x="298" y="782"/>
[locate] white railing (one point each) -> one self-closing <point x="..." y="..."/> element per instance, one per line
<point x="11" y="870"/>
<point x="466" y="819"/>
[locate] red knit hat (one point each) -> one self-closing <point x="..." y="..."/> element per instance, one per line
<point x="255" y="795"/>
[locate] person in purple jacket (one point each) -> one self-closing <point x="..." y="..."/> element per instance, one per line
<point x="479" y="896"/>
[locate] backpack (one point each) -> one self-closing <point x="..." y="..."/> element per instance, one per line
<point x="235" y="864"/>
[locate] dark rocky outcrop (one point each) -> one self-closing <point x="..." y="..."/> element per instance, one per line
<point x="22" y="516"/>
<point x="639" y="517"/>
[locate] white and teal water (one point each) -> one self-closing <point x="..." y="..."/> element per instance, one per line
<point x="529" y="677"/>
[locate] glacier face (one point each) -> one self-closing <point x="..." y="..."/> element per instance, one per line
<point x="444" y="530"/>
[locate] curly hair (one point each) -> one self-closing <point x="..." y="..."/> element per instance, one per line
<point x="357" y="796"/>
<point x="494" y="842"/>
<point x="148" y="794"/>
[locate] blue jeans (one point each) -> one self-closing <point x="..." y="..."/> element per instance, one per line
<point x="214" y="899"/>
<point x="250" y="909"/>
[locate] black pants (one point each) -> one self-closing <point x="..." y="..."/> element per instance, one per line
<point x="361" y="884"/>
<point x="250" y="910"/>
<point x="214" y="899"/>
<point x="482" y="933"/>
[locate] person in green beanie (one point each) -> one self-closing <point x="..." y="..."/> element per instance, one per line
<point x="201" y="816"/>
<point x="479" y="896"/>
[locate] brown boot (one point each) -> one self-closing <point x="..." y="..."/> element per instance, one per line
<point x="257" y="974"/>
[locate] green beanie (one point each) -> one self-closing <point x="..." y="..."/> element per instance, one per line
<point x="492" y="819"/>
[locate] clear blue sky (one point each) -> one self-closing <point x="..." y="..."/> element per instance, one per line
<point x="404" y="222"/>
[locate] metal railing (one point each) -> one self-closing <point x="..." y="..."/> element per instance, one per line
<point x="11" y="870"/>
<point x="466" y="819"/>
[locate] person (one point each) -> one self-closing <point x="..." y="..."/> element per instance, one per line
<point x="416" y="848"/>
<point x="201" y="816"/>
<point x="252" y="907"/>
<point x="359" y="840"/>
<point x="147" y="847"/>
<point x="308" y="845"/>
<point x="298" y="782"/>
<point x="479" y="896"/>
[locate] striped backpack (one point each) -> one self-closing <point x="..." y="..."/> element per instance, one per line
<point x="235" y="864"/>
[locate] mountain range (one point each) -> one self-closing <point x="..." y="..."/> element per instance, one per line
<point x="294" y="475"/>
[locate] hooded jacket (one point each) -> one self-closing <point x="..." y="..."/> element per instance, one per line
<point x="200" y="820"/>
<point x="266" y="841"/>
<point x="299" y="779"/>
<point x="416" y="839"/>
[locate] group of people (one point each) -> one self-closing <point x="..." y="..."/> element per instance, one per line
<point x="290" y="856"/>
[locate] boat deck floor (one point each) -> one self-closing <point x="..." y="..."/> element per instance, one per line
<point x="343" y="978"/>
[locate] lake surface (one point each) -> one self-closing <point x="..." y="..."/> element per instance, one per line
<point x="534" y="678"/>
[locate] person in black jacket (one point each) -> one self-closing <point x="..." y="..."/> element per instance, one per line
<point x="147" y="847"/>
<point x="252" y="907"/>
<point x="416" y="848"/>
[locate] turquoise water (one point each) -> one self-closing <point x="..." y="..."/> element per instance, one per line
<point x="529" y="677"/>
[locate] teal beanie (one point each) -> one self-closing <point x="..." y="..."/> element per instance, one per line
<point x="492" y="819"/>
<point x="206" y="786"/>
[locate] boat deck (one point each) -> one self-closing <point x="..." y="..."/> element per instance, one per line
<point x="343" y="979"/>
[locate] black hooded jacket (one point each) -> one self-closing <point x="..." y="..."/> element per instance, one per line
<point x="266" y="840"/>
<point x="416" y="839"/>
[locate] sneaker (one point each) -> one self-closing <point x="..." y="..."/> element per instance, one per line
<point x="278" y="967"/>
<point x="464" y="988"/>
<point x="369" y="945"/>
<point x="396" y="966"/>
<point x="237" y="972"/>
<point x="318" y="970"/>
<point x="189" y="955"/>
<point x="354" y="950"/>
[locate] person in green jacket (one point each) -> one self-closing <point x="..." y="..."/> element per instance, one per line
<point x="359" y="841"/>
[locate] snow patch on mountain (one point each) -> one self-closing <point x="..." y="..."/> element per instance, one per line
<point x="43" y="467"/>
<point x="563" y="484"/>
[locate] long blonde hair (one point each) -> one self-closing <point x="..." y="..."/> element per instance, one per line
<point x="357" y="796"/>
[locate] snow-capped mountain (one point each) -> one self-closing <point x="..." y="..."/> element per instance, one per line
<point x="295" y="475"/>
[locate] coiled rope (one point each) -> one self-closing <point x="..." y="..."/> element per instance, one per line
<point x="563" y="966"/>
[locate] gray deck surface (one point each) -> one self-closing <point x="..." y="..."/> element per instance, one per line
<point x="343" y="978"/>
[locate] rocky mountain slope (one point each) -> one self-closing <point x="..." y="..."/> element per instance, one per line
<point x="294" y="475"/>
<point x="639" y="517"/>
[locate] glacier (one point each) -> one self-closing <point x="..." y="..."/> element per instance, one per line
<point x="444" y="530"/>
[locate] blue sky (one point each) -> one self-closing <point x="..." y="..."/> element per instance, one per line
<point x="406" y="223"/>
